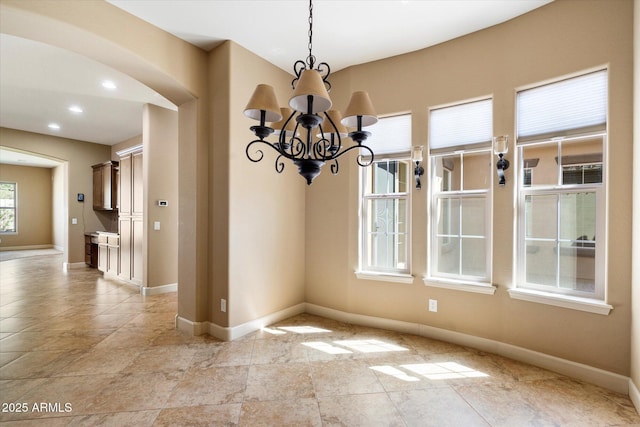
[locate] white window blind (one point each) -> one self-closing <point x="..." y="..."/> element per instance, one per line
<point x="461" y="126"/>
<point x="390" y="135"/>
<point x="569" y="107"/>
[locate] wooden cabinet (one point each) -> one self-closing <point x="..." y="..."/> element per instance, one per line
<point x="108" y="259"/>
<point x="91" y="250"/>
<point x="130" y="217"/>
<point x="105" y="186"/>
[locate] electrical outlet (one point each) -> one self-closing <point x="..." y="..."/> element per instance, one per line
<point x="433" y="305"/>
<point x="223" y="305"/>
<point x="74" y="221"/>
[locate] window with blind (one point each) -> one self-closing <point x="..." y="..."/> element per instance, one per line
<point x="385" y="188"/>
<point x="461" y="176"/>
<point x="561" y="137"/>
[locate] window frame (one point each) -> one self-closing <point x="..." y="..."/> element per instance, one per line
<point x="558" y="189"/>
<point x="595" y="302"/>
<point x="14" y="208"/>
<point x="366" y="271"/>
<point x="435" y="197"/>
<point x="462" y="144"/>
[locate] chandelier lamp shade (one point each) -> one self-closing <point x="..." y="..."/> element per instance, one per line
<point x="309" y="132"/>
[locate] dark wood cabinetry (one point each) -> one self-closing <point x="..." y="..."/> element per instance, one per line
<point x="91" y="250"/>
<point x="105" y="186"/>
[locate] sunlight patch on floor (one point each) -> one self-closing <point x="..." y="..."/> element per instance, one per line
<point x="326" y="347"/>
<point x="432" y="371"/>
<point x="395" y="372"/>
<point x="444" y="371"/>
<point x="354" y="346"/>
<point x="370" y="346"/>
<point x="304" y="329"/>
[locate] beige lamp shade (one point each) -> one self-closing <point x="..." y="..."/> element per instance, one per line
<point x="360" y="105"/>
<point x="310" y="83"/>
<point x="336" y="117"/>
<point x="277" y="126"/>
<point x="263" y="98"/>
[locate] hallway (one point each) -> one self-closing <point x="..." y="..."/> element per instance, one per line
<point x="79" y="350"/>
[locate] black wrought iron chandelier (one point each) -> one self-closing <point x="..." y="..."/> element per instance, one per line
<point x="310" y="133"/>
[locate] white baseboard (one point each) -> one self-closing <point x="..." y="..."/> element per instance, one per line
<point x="156" y="290"/>
<point x="226" y="333"/>
<point x="609" y="380"/>
<point x="66" y="266"/>
<point x="236" y="332"/>
<point x="634" y="395"/>
<point x="190" y="327"/>
<point x="606" y="379"/>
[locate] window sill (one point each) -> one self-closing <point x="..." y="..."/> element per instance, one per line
<point x="575" y="303"/>
<point x="385" y="277"/>
<point x="480" y="288"/>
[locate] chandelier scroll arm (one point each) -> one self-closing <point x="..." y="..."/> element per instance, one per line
<point x="362" y="160"/>
<point x="335" y="167"/>
<point x="279" y="164"/>
<point x="260" y="153"/>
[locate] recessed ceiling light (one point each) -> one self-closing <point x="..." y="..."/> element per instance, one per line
<point x="54" y="126"/>
<point x="108" y="84"/>
<point x="75" y="109"/>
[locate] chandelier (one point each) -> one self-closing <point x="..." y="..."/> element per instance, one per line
<point x="310" y="133"/>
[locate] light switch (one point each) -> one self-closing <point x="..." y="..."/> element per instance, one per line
<point x="74" y="220"/>
<point x="156" y="225"/>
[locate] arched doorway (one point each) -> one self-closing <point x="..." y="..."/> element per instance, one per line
<point x="172" y="68"/>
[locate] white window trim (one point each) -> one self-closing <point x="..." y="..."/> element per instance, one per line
<point x="565" y="301"/>
<point x="385" y="277"/>
<point x="380" y="275"/>
<point x="596" y="304"/>
<point x="460" y="285"/>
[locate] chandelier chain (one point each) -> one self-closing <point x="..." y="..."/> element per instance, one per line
<point x="310" y="58"/>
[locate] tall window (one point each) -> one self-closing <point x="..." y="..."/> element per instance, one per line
<point x="461" y="177"/>
<point x="561" y="200"/>
<point x="385" y="212"/>
<point x="8" y="205"/>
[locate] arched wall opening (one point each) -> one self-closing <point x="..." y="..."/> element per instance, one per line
<point x="169" y="66"/>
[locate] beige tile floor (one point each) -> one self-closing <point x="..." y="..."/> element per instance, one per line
<point x="95" y="352"/>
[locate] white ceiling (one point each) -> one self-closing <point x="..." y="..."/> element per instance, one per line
<point x="39" y="82"/>
<point x="345" y="32"/>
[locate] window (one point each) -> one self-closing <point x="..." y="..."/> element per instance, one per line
<point x="386" y="200"/>
<point x="561" y="199"/>
<point x="385" y="212"/>
<point x="461" y="177"/>
<point x="8" y="205"/>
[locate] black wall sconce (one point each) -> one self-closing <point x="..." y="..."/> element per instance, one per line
<point x="500" y="147"/>
<point x="418" y="171"/>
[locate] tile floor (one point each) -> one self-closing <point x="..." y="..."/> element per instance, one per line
<point x="80" y="350"/>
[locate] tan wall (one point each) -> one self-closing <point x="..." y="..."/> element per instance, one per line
<point x="635" y="302"/>
<point x="80" y="156"/>
<point x="558" y="39"/>
<point x="257" y="236"/>
<point x="34" y="194"/>
<point x="160" y="136"/>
